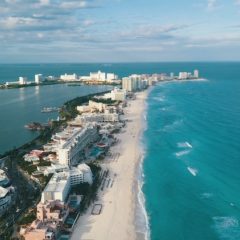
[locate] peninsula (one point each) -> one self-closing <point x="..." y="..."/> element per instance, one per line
<point x="82" y="169"/>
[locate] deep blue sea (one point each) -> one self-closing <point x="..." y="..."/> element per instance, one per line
<point x="192" y="147"/>
<point x="192" y="161"/>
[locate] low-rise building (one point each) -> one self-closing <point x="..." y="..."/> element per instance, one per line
<point x="97" y="117"/>
<point x="55" y="211"/>
<point x="81" y="174"/>
<point x="38" y="231"/>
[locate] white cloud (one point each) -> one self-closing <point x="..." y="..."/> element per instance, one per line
<point x="74" y="5"/>
<point x="211" y="4"/>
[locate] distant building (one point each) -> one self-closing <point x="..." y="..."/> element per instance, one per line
<point x="38" y="78"/>
<point x="196" y="73"/>
<point x="118" y="94"/>
<point x="22" y="80"/>
<point x="183" y="75"/>
<point x="98" y="76"/>
<point x="134" y="82"/>
<point x="111" y="77"/>
<point x="69" y="77"/>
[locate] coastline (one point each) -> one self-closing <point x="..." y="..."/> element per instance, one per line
<point x="142" y="226"/>
<point x="120" y="201"/>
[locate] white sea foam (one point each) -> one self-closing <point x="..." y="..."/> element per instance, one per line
<point x="160" y="99"/>
<point x="227" y="227"/>
<point x="171" y="126"/>
<point x="206" y="195"/>
<point x="141" y="218"/>
<point x="193" y="171"/>
<point x="182" y="153"/>
<point x="184" y="145"/>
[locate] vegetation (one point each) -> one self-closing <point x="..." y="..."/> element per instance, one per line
<point x="28" y="218"/>
<point x="108" y="101"/>
<point x="69" y="110"/>
<point x="90" y="191"/>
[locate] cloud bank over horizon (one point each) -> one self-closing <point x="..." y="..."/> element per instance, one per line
<point x="119" y="30"/>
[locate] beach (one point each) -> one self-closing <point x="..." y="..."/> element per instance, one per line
<point x="119" y="196"/>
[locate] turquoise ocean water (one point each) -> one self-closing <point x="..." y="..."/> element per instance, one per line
<point x="192" y="161"/>
<point x="192" y="149"/>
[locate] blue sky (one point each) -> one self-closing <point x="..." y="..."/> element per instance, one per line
<point x="119" y="30"/>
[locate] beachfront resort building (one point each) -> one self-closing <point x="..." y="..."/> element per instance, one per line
<point x="38" y="78"/>
<point x="97" y="117"/>
<point x="80" y="174"/>
<point x="93" y="106"/>
<point x="61" y="182"/>
<point x="57" y="188"/>
<point x="72" y="141"/>
<point x="116" y="95"/>
<point x="134" y="83"/>
<point x="69" y="77"/>
<point x="69" y="143"/>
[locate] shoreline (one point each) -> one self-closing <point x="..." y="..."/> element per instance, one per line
<point x="121" y="201"/>
<point x="140" y="208"/>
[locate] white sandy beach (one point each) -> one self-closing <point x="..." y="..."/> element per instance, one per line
<point x="117" y="218"/>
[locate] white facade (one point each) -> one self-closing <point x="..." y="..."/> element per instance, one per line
<point x="73" y="141"/>
<point x="97" y="117"/>
<point x="118" y="94"/>
<point x="69" y="77"/>
<point x="57" y="188"/>
<point x="80" y="174"/>
<point x="183" y="75"/>
<point x="196" y="73"/>
<point x="38" y="78"/>
<point x="111" y="77"/>
<point x="22" y="80"/>
<point x="98" y="76"/>
<point x="92" y="106"/>
<point x="5" y="199"/>
<point x="133" y="83"/>
<point x="60" y="184"/>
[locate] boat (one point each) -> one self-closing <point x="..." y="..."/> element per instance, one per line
<point x="50" y="109"/>
<point x="34" y="126"/>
